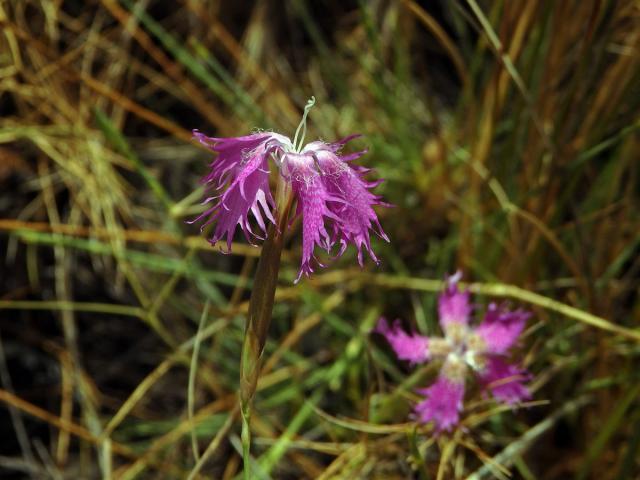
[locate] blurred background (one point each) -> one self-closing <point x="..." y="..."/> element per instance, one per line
<point x="507" y="133"/>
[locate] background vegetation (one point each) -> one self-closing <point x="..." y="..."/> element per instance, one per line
<point x="507" y="132"/>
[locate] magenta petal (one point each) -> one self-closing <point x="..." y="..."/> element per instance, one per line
<point x="505" y="381"/>
<point x="333" y="147"/>
<point x="411" y="347"/>
<point x="240" y="171"/>
<point x="233" y="208"/>
<point x="312" y="199"/>
<point x="442" y="404"/>
<point x="256" y="193"/>
<point x="354" y="156"/>
<point x="453" y="305"/>
<point x="232" y="153"/>
<point x="501" y="328"/>
<point x="355" y="212"/>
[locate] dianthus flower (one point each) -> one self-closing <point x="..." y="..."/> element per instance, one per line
<point x="463" y="349"/>
<point x="333" y="198"/>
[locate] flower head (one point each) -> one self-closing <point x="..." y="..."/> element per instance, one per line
<point x="333" y="198"/>
<point x="463" y="350"/>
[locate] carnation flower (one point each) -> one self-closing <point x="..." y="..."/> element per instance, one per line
<point x="464" y="349"/>
<point x="333" y="197"/>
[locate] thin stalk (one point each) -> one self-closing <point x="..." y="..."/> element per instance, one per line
<point x="259" y="315"/>
<point x="297" y="144"/>
<point x="192" y="380"/>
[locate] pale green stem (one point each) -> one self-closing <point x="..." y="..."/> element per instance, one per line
<point x="245" y="412"/>
<point x="303" y="125"/>
<point x="192" y="380"/>
<point x="65" y="305"/>
<point x="259" y="315"/>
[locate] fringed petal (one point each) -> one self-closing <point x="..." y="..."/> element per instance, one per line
<point x="501" y="328"/>
<point x="442" y="404"/>
<point x="505" y="381"/>
<point x="241" y="172"/>
<point x="411" y="347"/>
<point x="355" y="212"/>
<point x="454" y="306"/>
<point x="312" y="199"/>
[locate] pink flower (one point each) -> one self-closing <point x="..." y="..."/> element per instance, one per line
<point x="463" y="349"/>
<point x="333" y="198"/>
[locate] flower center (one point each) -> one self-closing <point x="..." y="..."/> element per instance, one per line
<point x="439" y="347"/>
<point x="456" y="333"/>
<point x="455" y="367"/>
<point x="465" y="345"/>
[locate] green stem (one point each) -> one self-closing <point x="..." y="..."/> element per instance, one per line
<point x="297" y="145"/>
<point x="246" y="440"/>
<point x="65" y="305"/>
<point x="259" y="315"/>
